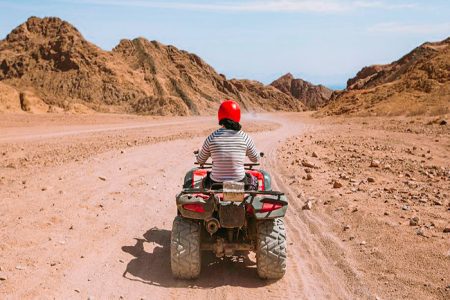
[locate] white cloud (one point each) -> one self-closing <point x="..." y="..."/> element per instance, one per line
<point x="393" y="27"/>
<point x="383" y="5"/>
<point x="318" y="6"/>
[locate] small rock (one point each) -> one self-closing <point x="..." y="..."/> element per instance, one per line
<point x="446" y="230"/>
<point x="337" y="184"/>
<point x="307" y="164"/>
<point x="308" y="170"/>
<point x="443" y="122"/>
<point x="309" y="177"/>
<point x="3" y="277"/>
<point x="437" y="202"/>
<point x="308" y="205"/>
<point x="102" y="178"/>
<point x="386" y="213"/>
<point x="375" y="163"/>
<point x="370" y="179"/>
<point x="43" y="189"/>
<point x="414" y="221"/>
<point x="122" y="152"/>
<point x="406" y="207"/>
<point x="363" y="243"/>
<point x="420" y="232"/>
<point x="346" y="227"/>
<point x="314" y="154"/>
<point x="343" y="176"/>
<point x="19" y="267"/>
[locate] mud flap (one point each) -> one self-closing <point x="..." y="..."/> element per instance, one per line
<point x="231" y="215"/>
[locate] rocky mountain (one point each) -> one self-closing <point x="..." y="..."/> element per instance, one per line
<point x="49" y="59"/>
<point x="313" y="96"/>
<point x="418" y="83"/>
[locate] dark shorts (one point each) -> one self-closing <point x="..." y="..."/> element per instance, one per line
<point x="250" y="183"/>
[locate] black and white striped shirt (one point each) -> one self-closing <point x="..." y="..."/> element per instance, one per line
<point x="228" y="149"/>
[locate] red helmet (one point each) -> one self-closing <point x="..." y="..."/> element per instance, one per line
<point x="229" y="109"/>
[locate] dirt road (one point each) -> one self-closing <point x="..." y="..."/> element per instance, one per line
<point x="86" y="211"/>
<point x="101" y="226"/>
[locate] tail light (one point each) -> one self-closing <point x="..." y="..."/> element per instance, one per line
<point x="268" y="206"/>
<point x="195" y="207"/>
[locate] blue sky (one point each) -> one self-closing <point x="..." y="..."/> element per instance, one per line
<point x="322" y="41"/>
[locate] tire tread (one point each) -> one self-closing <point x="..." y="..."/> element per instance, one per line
<point x="271" y="252"/>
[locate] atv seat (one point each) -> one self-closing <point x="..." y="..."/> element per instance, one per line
<point x="250" y="182"/>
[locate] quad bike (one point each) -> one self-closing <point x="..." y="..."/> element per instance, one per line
<point x="226" y="218"/>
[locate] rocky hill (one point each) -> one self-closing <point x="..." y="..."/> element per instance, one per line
<point x="418" y="83"/>
<point x="313" y="96"/>
<point x="49" y="59"/>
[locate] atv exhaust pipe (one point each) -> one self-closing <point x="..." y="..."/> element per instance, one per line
<point x="212" y="225"/>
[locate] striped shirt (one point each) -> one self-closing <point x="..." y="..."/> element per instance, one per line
<point x="228" y="149"/>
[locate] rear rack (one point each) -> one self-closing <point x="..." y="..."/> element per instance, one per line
<point x="249" y="192"/>
<point x="248" y="166"/>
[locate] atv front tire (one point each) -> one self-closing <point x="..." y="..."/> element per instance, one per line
<point x="271" y="248"/>
<point x="185" y="259"/>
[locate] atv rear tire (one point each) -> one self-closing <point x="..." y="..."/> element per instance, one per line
<point x="185" y="259"/>
<point x="271" y="248"/>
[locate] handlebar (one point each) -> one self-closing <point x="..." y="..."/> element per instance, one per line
<point x="209" y="165"/>
<point x="196" y="152"/>
<point x="245" y="164"/>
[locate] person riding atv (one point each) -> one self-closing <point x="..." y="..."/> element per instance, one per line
<point x="227" y="206"/>
<point x="228" y="147"/>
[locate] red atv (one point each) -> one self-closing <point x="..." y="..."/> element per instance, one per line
<point x="226" y="218"/>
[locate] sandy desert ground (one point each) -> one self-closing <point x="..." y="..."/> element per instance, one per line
<point x="87" y="203"/>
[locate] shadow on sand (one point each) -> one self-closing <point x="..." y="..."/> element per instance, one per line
<point x="154" y="268"/>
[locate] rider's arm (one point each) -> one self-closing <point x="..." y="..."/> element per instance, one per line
<point x="251" y="149"/>
<point x="205" y="152"/>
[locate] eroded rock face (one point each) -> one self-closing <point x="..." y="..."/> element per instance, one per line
<point x="51" y="57"/>
<point x="363" y="76"/>
<point x="313" y="96"/>
<point x="416" y="84"/>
